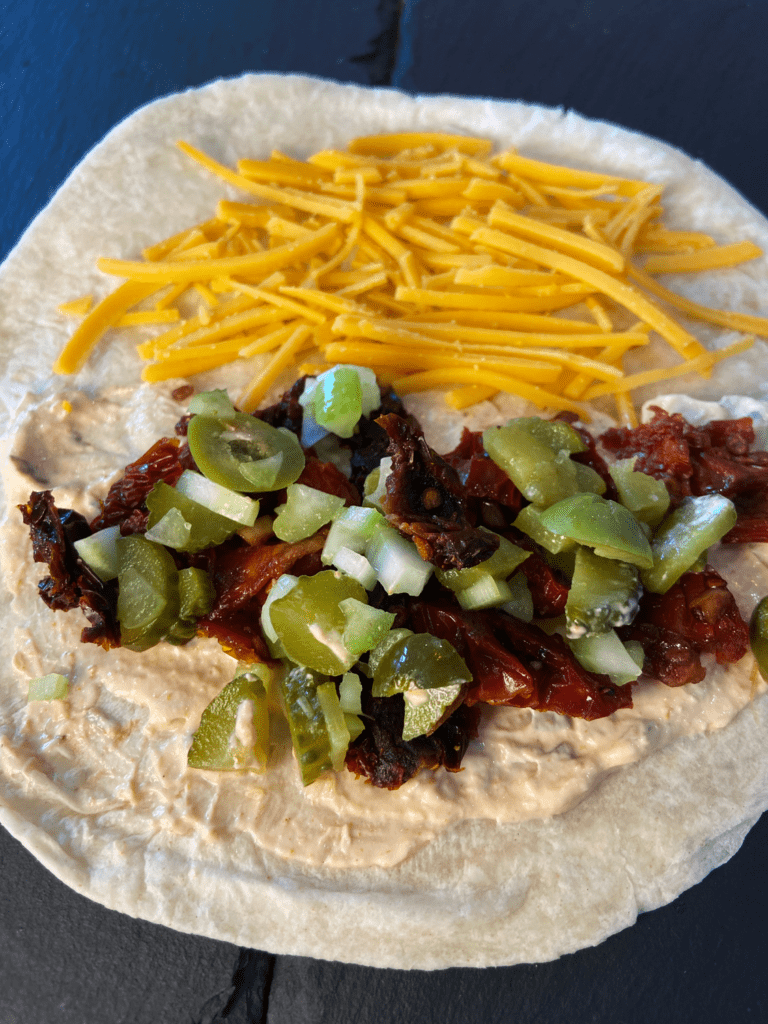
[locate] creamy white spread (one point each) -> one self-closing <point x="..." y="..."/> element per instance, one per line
<point x="120" y="740"/>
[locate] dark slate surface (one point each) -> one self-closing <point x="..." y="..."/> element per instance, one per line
<point x="691" y="72"/>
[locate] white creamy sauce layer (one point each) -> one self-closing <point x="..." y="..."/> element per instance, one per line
<point x="116" y="748"/>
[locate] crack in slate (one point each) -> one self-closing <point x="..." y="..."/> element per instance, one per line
<point x="249" y="998"/>
<point x="382" y="57"/>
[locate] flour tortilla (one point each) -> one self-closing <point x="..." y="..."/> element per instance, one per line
<point x="480" y="894"/>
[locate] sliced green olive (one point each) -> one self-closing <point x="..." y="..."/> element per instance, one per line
<point x="306" y="721"/>
<point x="244" y="453"/>
<point x="529" y="522"/>
<point x="543" y="474"/>
<point x="310" y="624"/>
<point x="218" y="744"/>
<point x="205" y="529"/>
<point x="426" y="709"/>
<point x="148" y="595"/>
<point x="420" y="661"/>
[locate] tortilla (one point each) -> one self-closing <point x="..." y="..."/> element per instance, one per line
<point x="480" y="893"/>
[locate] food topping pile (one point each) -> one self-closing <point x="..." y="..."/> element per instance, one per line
<point x="377" y="594"/>
<point x="430" y="260"/>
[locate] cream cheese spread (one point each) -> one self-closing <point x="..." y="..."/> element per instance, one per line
<point x="118" y="744"/>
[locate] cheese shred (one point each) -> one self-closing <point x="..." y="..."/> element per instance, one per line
<point x="432" y="261"/>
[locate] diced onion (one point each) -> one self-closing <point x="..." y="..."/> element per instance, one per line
<point x="99" y="552"/>
<point x="375" y="486"/>
<point x="172" y="530"/>
<point x="237" y="507"/>
<point x="398" y="564"/>
<point x="520" y="604"/>
<point x="350" y="694"/>
<point x="357" y="566"/>
<point x="352" y="528"/>
<point x="306" y="509"/>
<point x="606" y="654"/>
<point x="486" y="593"/>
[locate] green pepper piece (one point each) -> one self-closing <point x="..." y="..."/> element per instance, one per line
<point x="393" y="637"/>
<point x="430" y="674"/>
<point x="426" y="709"/>
<point x="602" y="524"/>
<point x="309" y="622"/>
<point x="541" y="473"/>
<point x="646" y="497"/>
<point x="694" y="526"/>
<point x="529" y="522"/>
<point x="206" y="528"/>
<point x="418" y="661"/>
<point x="148" y="594"/>
<point x="306" y="721"/>
<point x="54" y="686"/>
<point x="588" y="479"/>
<point x="556" y="434"/>
<point x="244" y="453"/>
<point x="758" y="636"/>
<point x="305" y="510"/>
<point x="502" y="563"/>
<point x="604" y="593"/>
<point x="227" y="739"/>
<point x="338" y="401"/>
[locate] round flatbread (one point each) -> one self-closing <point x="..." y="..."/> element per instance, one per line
<point x="97" y="786"/>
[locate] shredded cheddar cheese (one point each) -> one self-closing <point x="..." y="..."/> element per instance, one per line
<point x="433" y="262"/>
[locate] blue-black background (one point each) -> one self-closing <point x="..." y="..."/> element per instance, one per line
<point x="691" y="72"/>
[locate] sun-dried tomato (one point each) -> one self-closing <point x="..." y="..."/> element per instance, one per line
<point x="161" y="462"/>
<point x="668" y="657"/>
<point x="661" y="448"/>
<point x="324" y="476"/>
<point x="70" y="584"/>
<point x="714" y="458"/>
<point x="525" y="667"/>
<point x="701" y="609"/>
<point x="548" y="590"/>
<point x="382" y="756"/>
<point x="287" y="412"/>
<point x="242" y="574"/>
<point x="479" y="474"/>
<point x="426" y="502"/>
